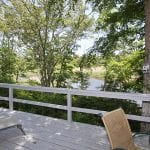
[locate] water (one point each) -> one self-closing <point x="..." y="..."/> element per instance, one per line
<point x="93" y="84"/>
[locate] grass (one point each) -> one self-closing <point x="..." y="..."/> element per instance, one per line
<point x="97" y="72"/>
<point x="94" y="72"/>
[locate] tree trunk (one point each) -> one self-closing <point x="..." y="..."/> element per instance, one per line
<point x="146" y="105"/>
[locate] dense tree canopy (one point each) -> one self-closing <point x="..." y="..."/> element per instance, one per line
<point x="46" y="31"/>
<point x="49" y="29"/>
<point x="121" y="24"/>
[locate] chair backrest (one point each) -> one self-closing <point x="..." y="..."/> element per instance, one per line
<point x="118" y="130"/>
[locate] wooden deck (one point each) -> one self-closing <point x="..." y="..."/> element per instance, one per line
<point x="45" y="133"/>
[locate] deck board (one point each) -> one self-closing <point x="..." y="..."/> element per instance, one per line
<point x="45" y="133"/>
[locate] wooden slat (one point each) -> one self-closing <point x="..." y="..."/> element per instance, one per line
<point x="117" y="95"/>
<point x="40" y="104"/>
<point x="54" y="134"/>
<point x="130" y="117"/>
<point x="139" y="118"/>
<point x="35" y="88"/>
<point x="4" y="98"/>
<point x="6" y="145"/>
<point x="83" y="110"/>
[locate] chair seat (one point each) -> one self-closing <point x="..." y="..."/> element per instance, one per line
<point x="9" y="122"/>
<point x="6" y="122"/>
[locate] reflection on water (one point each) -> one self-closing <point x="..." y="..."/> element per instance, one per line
<point x="93" y="84"/>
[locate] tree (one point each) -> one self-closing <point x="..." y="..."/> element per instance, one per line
<point x="7" y="65"/>
<point x="123" y="73"/>
<point x="50" y="29"/>
<point x="122" y="22"/>
<point x="7" y="52"/>
<point x="146" y="105"/>
<point x="122" y="27"/>
<point x="147" y="45"/>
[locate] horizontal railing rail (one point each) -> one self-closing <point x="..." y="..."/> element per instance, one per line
<point x="70" y="92"/>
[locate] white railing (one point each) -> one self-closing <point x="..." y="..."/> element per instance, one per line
<point x="69" y="92"/>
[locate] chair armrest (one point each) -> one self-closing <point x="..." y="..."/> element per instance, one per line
<point x="99" y="114"/>
<point x="138" y="134"/>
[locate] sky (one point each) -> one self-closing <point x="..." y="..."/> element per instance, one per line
<point x="88" y="42"/>
<point x="85" y="45"/>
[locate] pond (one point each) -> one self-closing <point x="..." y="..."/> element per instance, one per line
<point x="93" y="84"/>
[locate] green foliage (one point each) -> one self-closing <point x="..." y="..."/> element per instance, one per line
<point x="20" y="67"/>
<point x="105" y="104"/>
<point x="85" y="62"/>
<point x="33" y="83"/>
<point x="122" y="23"/>
<point x="7" y="64"/>
<point x="41" y="97"/>
<point x="81" y="78"/>
<point x="64" y="71"/>
<point x="59" y="99"/>
<point x="123" y="73"/>
<point x="121" y="43"/>
<point x="49" y="29"/>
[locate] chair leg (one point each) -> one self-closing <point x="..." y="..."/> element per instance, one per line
<point x="19" y="126"/>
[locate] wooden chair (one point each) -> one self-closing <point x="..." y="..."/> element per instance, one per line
<point x="9" y="122"/>
<point x="118" y="129"/>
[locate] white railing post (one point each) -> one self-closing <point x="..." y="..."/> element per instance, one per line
<point x="69" y="105"/>
<point x="10" y="98"/>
